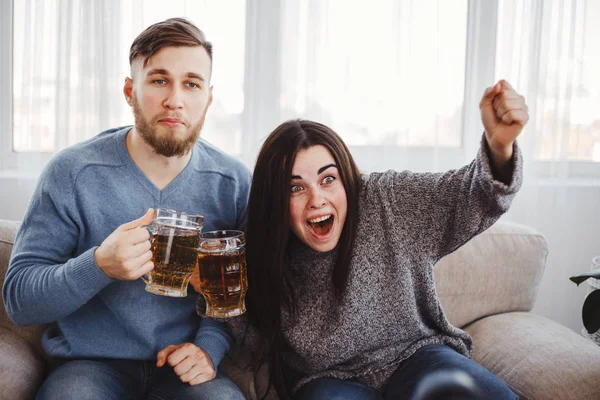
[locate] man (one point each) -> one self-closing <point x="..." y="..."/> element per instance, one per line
<point x="82" y="248"/>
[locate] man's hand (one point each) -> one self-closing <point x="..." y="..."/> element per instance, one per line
<point x="504" y="114"/>
<point x="125" y="254"/>
<point x="192" y="364"/>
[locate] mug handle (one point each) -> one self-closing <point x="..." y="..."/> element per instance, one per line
<point x="152" y="231"/>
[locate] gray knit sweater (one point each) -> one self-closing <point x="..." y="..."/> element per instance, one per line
<point x="407" y="222"/>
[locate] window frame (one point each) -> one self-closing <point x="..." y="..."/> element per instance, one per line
<point x="262" y="113"/>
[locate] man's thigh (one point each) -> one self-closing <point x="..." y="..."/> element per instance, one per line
<point x="93" y="379"/>
<point x="433" y="359"/>
<point x="170" y="387"/>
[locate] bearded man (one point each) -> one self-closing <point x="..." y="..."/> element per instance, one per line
<point x="82" y="247"/>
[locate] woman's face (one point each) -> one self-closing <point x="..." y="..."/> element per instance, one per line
<point x="318" y="202"/>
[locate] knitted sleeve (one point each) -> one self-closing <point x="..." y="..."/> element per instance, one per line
<point x="432" y="214"/>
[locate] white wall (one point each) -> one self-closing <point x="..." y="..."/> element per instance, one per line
<point x="571" y="248"/>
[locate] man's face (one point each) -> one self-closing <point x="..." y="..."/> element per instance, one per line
<point x="170" y="97"/>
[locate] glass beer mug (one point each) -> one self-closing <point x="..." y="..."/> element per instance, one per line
<point x="174" y="237"/>
<point x="222" y="272"/>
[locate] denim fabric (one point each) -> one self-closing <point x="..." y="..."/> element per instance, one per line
<point x="433" y="359"/>
<point x="426" y="368"/>
<point x="335" y="389"/>
<point x="129" y="379"/>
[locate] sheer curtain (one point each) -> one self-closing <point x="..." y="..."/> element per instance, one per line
<point x="71" y="59"/>
<point x="548" y="50"/>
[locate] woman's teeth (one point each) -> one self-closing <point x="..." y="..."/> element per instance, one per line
<point x="323" y="218"/>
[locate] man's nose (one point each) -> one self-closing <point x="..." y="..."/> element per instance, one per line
<point x="174" y="99"/>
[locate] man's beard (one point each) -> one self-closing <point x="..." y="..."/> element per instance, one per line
<point x="167" y="144"/>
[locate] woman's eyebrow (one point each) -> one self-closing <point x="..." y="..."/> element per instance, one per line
<point x="318" y="172"/>
<point x="325" y="167"/>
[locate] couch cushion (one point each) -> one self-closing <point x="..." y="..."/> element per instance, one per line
<point x="22" y="369"/>
<point x="538" y="358"/>
<point x="497" y="271"/>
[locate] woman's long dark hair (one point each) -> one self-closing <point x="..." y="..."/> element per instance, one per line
<point x="268" y="233"/>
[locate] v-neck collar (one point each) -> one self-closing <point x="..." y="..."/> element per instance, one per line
<point x="159" y="195"/>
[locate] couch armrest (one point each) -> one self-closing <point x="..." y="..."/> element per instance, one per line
<point x="32" y="334"/>
<point x="497" y="271"/>
<point x="22" y="369"/>
<point x="538" y="358"/>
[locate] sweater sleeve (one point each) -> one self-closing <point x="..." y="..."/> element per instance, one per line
<point x="432" y="214"/>
<point x="45" y="281"/>
<point x="215" y="338"/>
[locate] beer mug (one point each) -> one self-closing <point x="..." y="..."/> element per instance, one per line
<point x="222" y="272"/>
<point x="174" y="238"/>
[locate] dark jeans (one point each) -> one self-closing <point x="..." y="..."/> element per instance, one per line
<point x="129" y="379"/>
<point x="404" y="382"/>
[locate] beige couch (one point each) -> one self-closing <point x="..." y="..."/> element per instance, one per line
<point x="488" y="287"/>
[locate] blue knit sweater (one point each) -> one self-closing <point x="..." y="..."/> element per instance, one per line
<point x="83" y="195"/>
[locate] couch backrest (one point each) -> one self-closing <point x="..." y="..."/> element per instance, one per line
<point x="32" y="334"/>
<point x="497" y="271"/>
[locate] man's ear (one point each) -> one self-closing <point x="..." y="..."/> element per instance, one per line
<point x="210" y="96"/>
<point x="128" y="91"/>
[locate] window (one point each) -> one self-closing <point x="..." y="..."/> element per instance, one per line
<point x="390" y="73"/>
<point x="550" y="49"/>
<point x="74" y="88"/>
<point x="406" y="101"/>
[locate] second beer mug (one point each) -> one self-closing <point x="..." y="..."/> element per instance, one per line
<point x="175" y="240"/>
<point x="222" y="272"/>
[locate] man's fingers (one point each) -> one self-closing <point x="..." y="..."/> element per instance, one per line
<point x="186" y="366"/>
<point x="146" y="219"/>
<point x="161" y="357"/>
<point x="179" y="355"/>
<point x="144" y="269"/>
<point x="204" y="376"/>
<point x="143" y="258"/>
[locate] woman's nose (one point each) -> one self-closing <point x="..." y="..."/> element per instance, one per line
<point x="317" y="200"/>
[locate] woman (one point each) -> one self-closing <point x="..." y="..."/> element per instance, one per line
<point x="340" y="265"/>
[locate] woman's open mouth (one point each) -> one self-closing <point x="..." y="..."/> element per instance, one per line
<point x="321" y="225"/>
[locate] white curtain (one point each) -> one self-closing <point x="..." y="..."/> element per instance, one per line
<point x="400" y="80"/>
<point x="549" y="50"/>
<point x="71" y="60"/>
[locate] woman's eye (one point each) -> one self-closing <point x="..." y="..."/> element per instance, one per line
<point x="328" y="180"/>
<point x="295" y="188"/>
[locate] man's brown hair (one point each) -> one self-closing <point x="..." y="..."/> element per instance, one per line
<point x="174" y="32"/>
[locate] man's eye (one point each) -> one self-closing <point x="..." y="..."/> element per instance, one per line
<point x="159" y="81"/>
<point x="193" y="85"/>
<point x="295" y="188"/>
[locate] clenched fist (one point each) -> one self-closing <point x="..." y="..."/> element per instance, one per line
<point x="125" y="254"/>
<point x="504" y="114"/>
<point x="192" y="364"/>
